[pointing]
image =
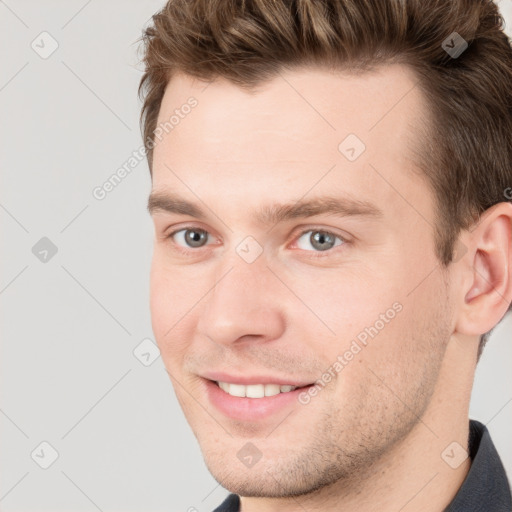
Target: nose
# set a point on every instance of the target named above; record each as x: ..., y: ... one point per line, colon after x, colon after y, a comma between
x: 245, y: 304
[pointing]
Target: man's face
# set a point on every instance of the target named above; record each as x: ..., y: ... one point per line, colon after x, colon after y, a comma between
x: 352, y: 299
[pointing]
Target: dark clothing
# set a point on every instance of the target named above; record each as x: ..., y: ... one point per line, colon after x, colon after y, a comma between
x: 485, y: 489
x: 230, y: 504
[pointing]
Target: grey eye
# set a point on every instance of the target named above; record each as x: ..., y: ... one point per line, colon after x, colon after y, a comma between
x: 319, y: 240
x: 191, y: 237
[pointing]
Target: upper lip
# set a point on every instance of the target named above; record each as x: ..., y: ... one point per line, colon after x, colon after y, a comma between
x: 254, y: 379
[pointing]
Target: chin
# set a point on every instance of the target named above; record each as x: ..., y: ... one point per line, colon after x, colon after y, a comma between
x: 281, y: 476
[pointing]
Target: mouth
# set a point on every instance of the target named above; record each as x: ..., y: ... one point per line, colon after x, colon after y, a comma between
x: 252, y: 402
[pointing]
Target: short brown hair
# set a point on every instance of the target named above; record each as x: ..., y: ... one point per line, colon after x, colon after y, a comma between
x: 466, y: 149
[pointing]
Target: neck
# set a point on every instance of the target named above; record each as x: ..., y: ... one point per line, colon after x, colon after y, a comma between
x: 421, y: 473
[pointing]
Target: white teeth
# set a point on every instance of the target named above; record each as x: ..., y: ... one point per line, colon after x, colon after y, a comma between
x: 273, y: 389
x: 237, y: 390
x: 254, y: 390
x: 224, y: 386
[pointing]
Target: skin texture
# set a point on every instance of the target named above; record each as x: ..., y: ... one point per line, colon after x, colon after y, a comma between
x: 373, y: 437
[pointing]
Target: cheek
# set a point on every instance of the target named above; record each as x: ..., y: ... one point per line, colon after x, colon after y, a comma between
x: 374, y: 324
x: 351, y: 308
x: 160, y: 299
x: 406, y: 352
x: 171, y: 305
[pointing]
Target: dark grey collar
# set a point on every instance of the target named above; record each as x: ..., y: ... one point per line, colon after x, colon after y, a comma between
x: 486, y: 487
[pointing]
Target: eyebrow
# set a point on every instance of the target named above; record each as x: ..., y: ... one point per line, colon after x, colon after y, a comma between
x: 275, y: 213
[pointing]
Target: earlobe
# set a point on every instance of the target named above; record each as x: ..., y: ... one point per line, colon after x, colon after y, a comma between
x: 489, y: 294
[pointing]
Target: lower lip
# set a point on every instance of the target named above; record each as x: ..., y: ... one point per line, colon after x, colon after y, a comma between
x: 250, y: 409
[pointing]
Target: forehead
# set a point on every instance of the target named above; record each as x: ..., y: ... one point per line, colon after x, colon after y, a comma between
x: 296, y: 134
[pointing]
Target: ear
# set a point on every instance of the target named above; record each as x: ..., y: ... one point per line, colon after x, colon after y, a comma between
x: 486, y: 272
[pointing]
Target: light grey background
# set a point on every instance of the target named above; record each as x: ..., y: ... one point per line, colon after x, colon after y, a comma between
x: 69, y: 376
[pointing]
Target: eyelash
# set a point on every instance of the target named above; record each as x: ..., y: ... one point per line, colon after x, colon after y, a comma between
x: 314, y: 254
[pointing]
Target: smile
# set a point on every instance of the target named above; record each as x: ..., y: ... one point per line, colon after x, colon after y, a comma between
x: 252, y: 402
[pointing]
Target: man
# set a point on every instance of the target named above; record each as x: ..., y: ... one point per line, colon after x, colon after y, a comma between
x: 333, y: 244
